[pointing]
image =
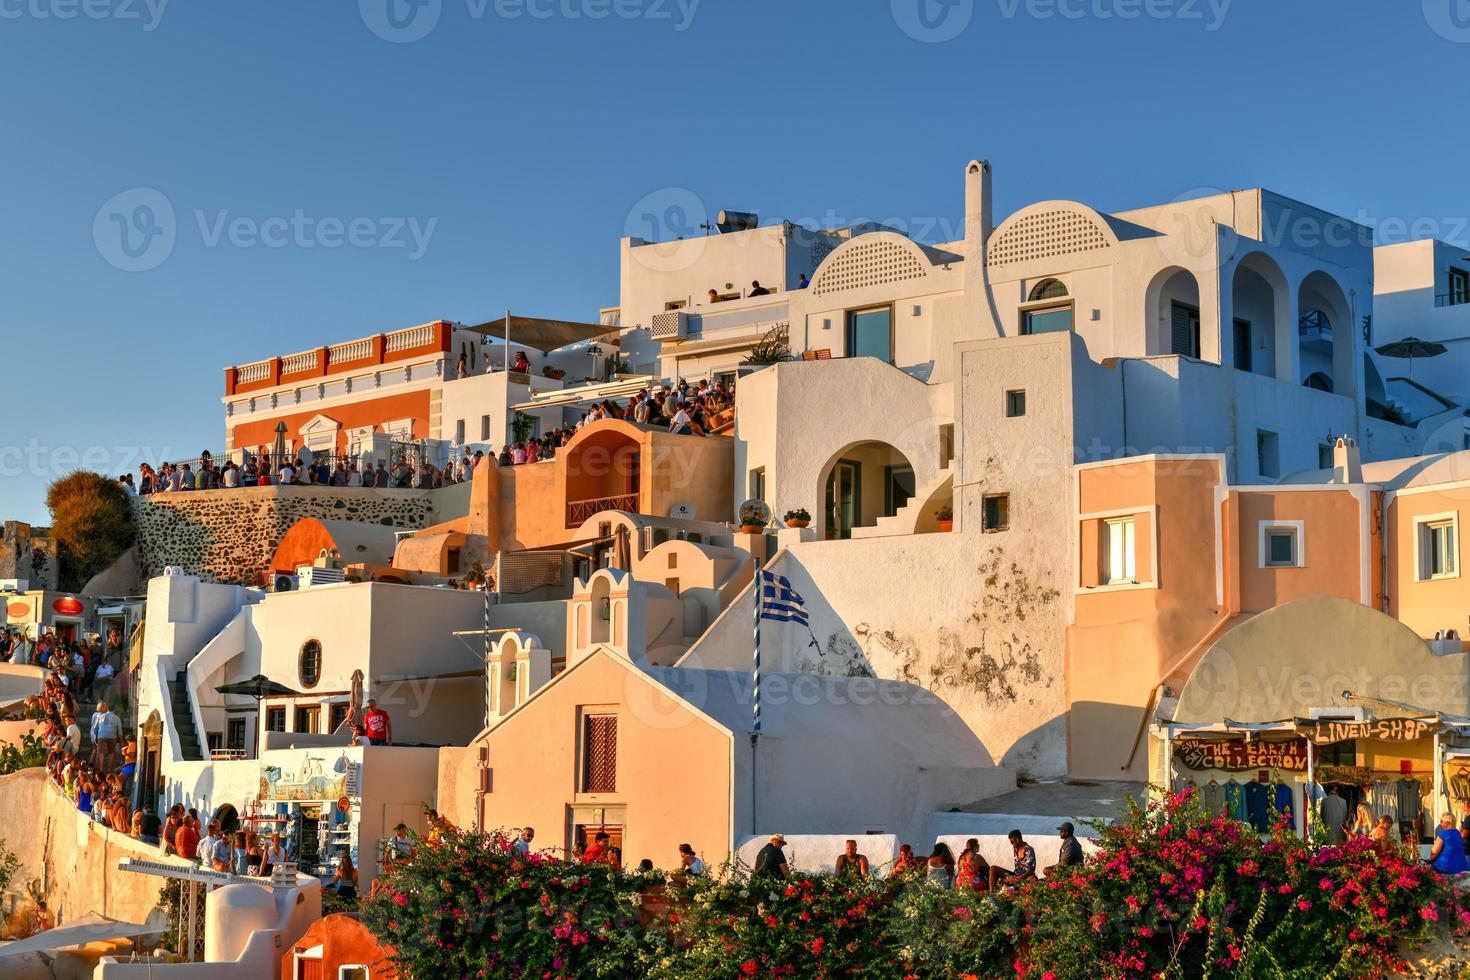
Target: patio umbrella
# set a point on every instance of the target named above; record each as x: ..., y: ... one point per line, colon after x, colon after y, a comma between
x: 258, y: 687
x: 354, y: 703
x: 1411, y: 347
x: 622, y: 556
x: 280, y: 446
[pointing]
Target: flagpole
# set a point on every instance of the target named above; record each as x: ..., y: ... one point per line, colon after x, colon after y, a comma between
x: 755, y: 730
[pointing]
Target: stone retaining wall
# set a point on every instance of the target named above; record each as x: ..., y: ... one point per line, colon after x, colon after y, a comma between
x: 230, y: 535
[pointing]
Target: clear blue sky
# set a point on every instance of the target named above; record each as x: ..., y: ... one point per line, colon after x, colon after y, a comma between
x: 528, y: 140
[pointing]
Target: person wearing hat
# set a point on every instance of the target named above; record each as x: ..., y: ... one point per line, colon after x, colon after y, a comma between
x: 400, y: 845
x: 376, y: 724
x: 772, y: 860
x: 1071, y: 852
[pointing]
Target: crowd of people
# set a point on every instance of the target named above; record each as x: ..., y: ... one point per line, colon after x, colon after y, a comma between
x: 680, y: 408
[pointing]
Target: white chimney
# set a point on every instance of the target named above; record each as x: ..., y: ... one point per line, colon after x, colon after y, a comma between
x: 1347, y: 462
x: 978, y: 214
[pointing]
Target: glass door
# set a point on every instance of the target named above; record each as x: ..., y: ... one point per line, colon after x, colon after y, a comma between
x: 844, y: 501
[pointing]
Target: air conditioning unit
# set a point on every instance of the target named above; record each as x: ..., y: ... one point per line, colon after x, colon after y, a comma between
x: 283, y: 583
x: 14, y: 585
x: 310, y: 576
x: 673, y: 325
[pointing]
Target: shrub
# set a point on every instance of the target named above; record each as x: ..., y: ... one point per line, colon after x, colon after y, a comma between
x: 28, y: 754
x: 92, y: 522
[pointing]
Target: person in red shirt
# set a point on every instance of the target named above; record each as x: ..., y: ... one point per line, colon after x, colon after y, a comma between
x: 377, y: 724
x: 186, y: 841
x: 598, y: 852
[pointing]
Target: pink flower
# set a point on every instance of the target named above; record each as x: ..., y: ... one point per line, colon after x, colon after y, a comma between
x: 400, y: 899
x: 1304, y: 905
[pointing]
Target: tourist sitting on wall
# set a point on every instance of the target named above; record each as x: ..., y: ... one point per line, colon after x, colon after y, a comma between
x: 1070, y: 853
x: 756, y: 289
x: 1448, y: 855
x: 771, y: 859
x: 850, y: 863
x: 939, y: 868
x: 689, y: 862
x: 1025, y: 858
x: 972, y: 870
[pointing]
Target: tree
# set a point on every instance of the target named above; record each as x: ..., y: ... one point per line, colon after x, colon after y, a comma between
x: 92, y: 523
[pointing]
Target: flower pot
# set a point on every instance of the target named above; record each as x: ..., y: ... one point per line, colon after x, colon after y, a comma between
x: 796, y: 522
x: 752, y: 528
x: 946, y: 525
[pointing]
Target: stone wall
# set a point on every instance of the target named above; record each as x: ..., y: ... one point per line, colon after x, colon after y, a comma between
x: 230, y: 535
x: 28, y: 553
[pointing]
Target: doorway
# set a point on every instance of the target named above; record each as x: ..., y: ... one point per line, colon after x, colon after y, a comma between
x: 844, y: 498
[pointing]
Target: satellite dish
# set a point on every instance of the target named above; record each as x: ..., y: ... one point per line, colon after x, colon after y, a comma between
x: 682, y: 512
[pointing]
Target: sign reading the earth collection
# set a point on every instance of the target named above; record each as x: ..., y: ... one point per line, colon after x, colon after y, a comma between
x: 1238, y: 755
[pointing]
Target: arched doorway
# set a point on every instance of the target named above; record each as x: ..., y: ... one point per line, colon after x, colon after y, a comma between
x: 150, y: 758
x: 603, y: 472
x: 1261, y: 311
x: 861, y: 484
x: 1174, y: 313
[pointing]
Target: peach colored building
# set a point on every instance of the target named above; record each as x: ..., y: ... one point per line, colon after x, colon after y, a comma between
x: 337, y: 947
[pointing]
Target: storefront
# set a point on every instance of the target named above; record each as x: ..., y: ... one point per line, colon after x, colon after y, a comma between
x: 1377, y: 766
x: 316, y: 808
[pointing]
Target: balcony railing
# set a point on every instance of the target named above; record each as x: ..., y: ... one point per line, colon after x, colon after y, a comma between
x: 578, y: 511
x: 1451, y: 299
x: 251, y: 373
x: 300, y: 363
x: 353, y: 350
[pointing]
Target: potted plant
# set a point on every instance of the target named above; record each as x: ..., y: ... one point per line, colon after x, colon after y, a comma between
x: 555, y: 374
x: 945, y: 518
x: 798, y: 518
x: 752, y: 518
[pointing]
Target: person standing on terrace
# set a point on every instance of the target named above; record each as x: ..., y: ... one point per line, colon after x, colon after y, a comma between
x: 106, y: 729
x: 521, y: 364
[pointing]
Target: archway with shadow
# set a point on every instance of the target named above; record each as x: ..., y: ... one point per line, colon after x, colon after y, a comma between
x: 1173, y: 313
x: 861, y: 484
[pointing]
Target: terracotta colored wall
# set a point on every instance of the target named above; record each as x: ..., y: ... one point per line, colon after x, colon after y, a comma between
x: 1332, y: 541
x: 1438, y: 603
x: 344, y: 942
x: 369, y: 411
x: 673, y: 769
x: 1121, y: 641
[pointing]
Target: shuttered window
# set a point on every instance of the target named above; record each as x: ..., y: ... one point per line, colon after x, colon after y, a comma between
x: 1184, y: 331
x: 599, y: 753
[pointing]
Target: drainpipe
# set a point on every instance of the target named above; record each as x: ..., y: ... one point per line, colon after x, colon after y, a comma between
x: 1382, y: 521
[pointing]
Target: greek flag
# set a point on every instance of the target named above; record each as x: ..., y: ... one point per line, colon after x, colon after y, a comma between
x: 780, y: 602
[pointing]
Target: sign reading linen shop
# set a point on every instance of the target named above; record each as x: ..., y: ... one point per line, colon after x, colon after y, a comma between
x: 1237, y: 755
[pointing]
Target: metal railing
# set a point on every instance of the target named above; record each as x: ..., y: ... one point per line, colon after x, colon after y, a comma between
x: 1451, y: 299
x: 578, y: 511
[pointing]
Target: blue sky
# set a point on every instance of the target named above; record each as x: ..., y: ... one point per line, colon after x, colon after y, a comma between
x: 495, y: 160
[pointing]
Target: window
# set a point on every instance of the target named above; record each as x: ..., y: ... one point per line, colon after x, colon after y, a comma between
x: 996, y: 514
x: 1118, y: 556
x: 599, y: 753
x: 758, y: 483
x: 1324, y: 456
x: 870, y: 334
x: 1048, y: 289
x: 1338, y: 754
x: 1015, y: 403
x: 310, y: 664
x: 235, y: 737
x: 946, y: 444
x: 352, y: 973
x: 1184, y: 330
x: 484, y: 428
x: 898, y: 488
x: 336, y: 718
x: 675, y: 304
x: 275, y: 719
x: 1281, y: 544
x: 459, y: 433
x: 452, y: 561
x: 1438, y: 547
x: 1242, y: 345
x: 1459, y: 287
x: 1268, y: 454
x: 307, y: 718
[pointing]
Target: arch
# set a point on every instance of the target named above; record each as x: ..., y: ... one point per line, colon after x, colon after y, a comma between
x: 229, y: 819
x: 1172, y: 313
x: 600, y: 609
x: 877, y: 258
x: 1319, y: 381
x: 602, y: 470
x: 1048, y: 289
x: 1260, y: 302
x: 1048, y: 230
x: 861, y: 483
x: 1326, y: 332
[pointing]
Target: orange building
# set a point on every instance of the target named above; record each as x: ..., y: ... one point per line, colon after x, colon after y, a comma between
x: 338, y: 947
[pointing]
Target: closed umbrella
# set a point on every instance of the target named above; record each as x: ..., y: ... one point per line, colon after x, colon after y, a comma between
x: 1411, y: 347
x: 622, y: 556
x: 280, y: 447
x: 354, y: 702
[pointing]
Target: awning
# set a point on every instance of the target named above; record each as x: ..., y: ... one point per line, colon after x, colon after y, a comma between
x: 560, y: 397
x: 87, y: 929
x: 544, y: 335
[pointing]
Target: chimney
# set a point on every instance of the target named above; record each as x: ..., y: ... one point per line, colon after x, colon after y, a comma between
x: 1347, y: 463
x: 978, y: 214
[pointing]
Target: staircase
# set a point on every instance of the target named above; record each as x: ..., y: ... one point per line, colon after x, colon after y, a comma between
x: 184, y: 718
x: 907, y: 517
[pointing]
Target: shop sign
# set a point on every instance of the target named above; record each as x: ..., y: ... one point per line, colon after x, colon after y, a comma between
x: 1238, y: 755
x: 18, y: 610
x: 67, y: 606
x: 1382, y: 729
x: 352, y: 781
x: 309, y: 783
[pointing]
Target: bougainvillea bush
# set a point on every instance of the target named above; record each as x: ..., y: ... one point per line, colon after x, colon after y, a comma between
x: 1171, y: 893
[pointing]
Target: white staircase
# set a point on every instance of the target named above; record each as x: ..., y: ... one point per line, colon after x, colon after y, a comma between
x: 907, y: 517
